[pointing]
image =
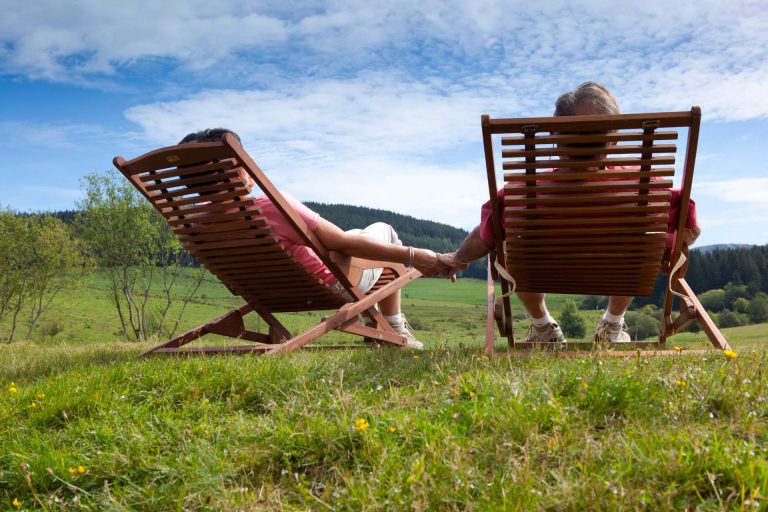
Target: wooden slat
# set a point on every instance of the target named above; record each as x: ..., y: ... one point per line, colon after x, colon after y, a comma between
x: 587, y: 188
x: 622, y: 174
x: 586, y: 210
x: 232, y: 213
x: 240, y: 234
x: 581, y: 164
x: 601, y: 230
x: 186, y: 171
x: 207, y: 200
x: 570, y: 150
x: 638, y: 136
x: 187, y: 182
x: 587, y: 222
x: 615, y: 198
x: 200, y: 190
x: 592, y: 123
x: 256, y: 225
x: 204, y: 248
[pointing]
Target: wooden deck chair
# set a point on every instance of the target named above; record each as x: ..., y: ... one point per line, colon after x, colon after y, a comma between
x: 198, y: 189
x: 592, y: 228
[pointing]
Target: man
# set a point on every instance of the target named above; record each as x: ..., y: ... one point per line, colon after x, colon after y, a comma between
x: 587, y: 99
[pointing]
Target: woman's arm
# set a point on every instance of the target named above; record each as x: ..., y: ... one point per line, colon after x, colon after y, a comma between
x: 333, y: 238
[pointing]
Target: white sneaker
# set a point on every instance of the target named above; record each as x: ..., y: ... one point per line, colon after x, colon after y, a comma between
x: 549, y: 333
x: 612, y: 332
x: 405, y: 330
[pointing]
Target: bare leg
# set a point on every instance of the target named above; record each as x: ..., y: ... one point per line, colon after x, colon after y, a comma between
x: 618, y: 304
x: 391, y: 305
x: 533, y: 303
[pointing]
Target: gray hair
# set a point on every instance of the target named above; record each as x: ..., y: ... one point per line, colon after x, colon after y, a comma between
x: 207, y: 135
x: 588, y: 93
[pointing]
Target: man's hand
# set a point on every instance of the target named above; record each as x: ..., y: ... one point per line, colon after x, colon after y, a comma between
x: 451, y: 261
x: 428, y: 263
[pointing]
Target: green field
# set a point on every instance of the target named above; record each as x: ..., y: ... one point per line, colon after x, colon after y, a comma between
x: 85, y: 425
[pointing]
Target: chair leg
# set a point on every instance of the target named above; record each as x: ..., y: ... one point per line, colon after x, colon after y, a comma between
x: 348, y: 312
x: 229, y: 324
x: 708, y: 326
x: 490, y: 334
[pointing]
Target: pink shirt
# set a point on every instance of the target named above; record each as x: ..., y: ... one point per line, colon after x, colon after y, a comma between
x: 290, y: 239
x: 486, y: 222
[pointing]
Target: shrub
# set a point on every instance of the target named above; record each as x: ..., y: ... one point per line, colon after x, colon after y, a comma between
x: 641, y: 325
x: 758, y: 309
x: 713, y: 300
x: 572, y: 324
x: 728, y: 318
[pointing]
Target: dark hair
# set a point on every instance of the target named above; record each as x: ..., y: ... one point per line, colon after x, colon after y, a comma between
x: 207, y: 135
x: 588, y: 93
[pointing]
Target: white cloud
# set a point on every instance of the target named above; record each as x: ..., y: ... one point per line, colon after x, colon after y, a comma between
x: 655, y: 54
x: 743, y: 191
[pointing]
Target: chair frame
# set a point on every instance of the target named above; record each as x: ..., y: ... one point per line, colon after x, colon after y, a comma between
x: 524, y: 132
x: 165, y: 163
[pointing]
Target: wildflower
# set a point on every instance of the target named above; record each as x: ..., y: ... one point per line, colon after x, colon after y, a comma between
x: 40, y: 395
x: 730, y: 354
x: 74, y: 471
x: 12, y: 388
x: 361, y: 424
x: 416, y: 357
x: 681, y: 383
x: 484, y: 357
x: 16, y: 502
x: 80, y: 469
x: 33, y: 405
x: 678, y: 348
x: 392, y: 430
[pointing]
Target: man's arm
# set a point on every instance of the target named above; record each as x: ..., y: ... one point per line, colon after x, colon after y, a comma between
x: 333, y: 238
x: 473, y: 247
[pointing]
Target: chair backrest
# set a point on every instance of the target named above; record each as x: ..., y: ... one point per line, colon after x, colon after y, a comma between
x: 198, y: 189
x: 586, y: 199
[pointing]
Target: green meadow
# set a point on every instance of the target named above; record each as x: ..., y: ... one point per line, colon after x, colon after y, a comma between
x: 86, y: 425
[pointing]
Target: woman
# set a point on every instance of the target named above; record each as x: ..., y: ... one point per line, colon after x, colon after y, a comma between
x: 378, y: 241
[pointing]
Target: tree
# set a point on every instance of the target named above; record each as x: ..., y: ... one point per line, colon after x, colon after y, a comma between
x: 758, y: 309
x: 571, y: 322
x: 55, y: 261
x: 14, y: 248
x: 131, y: 241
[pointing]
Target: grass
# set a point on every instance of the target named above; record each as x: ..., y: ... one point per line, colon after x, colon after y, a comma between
x: 85, y: 425
x: 447, y: 430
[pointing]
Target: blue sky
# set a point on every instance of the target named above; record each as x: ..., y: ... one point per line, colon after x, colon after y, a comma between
x: 375, y: 105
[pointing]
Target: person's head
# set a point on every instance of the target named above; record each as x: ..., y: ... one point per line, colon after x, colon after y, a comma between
x: 215, y: 135
x: 589, y: 98
x: 207, y: 135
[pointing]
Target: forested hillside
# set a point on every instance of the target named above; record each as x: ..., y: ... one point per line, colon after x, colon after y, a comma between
x: 712, y: 267
x: 412, y: 231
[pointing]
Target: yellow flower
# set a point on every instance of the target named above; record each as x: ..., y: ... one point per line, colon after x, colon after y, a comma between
x: 33, y: 405
x: 71, y: 471
x: 80, y: 469
x: 392, y: 430
x: 416, y: 357
x: 361, y: 424
x: 484, y: 357
x: 730, y: 354
x: 16, y: 502
x: 678, y: 348
x: 40, y: 395
x: 12, y: 388
x: 681, y: 383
